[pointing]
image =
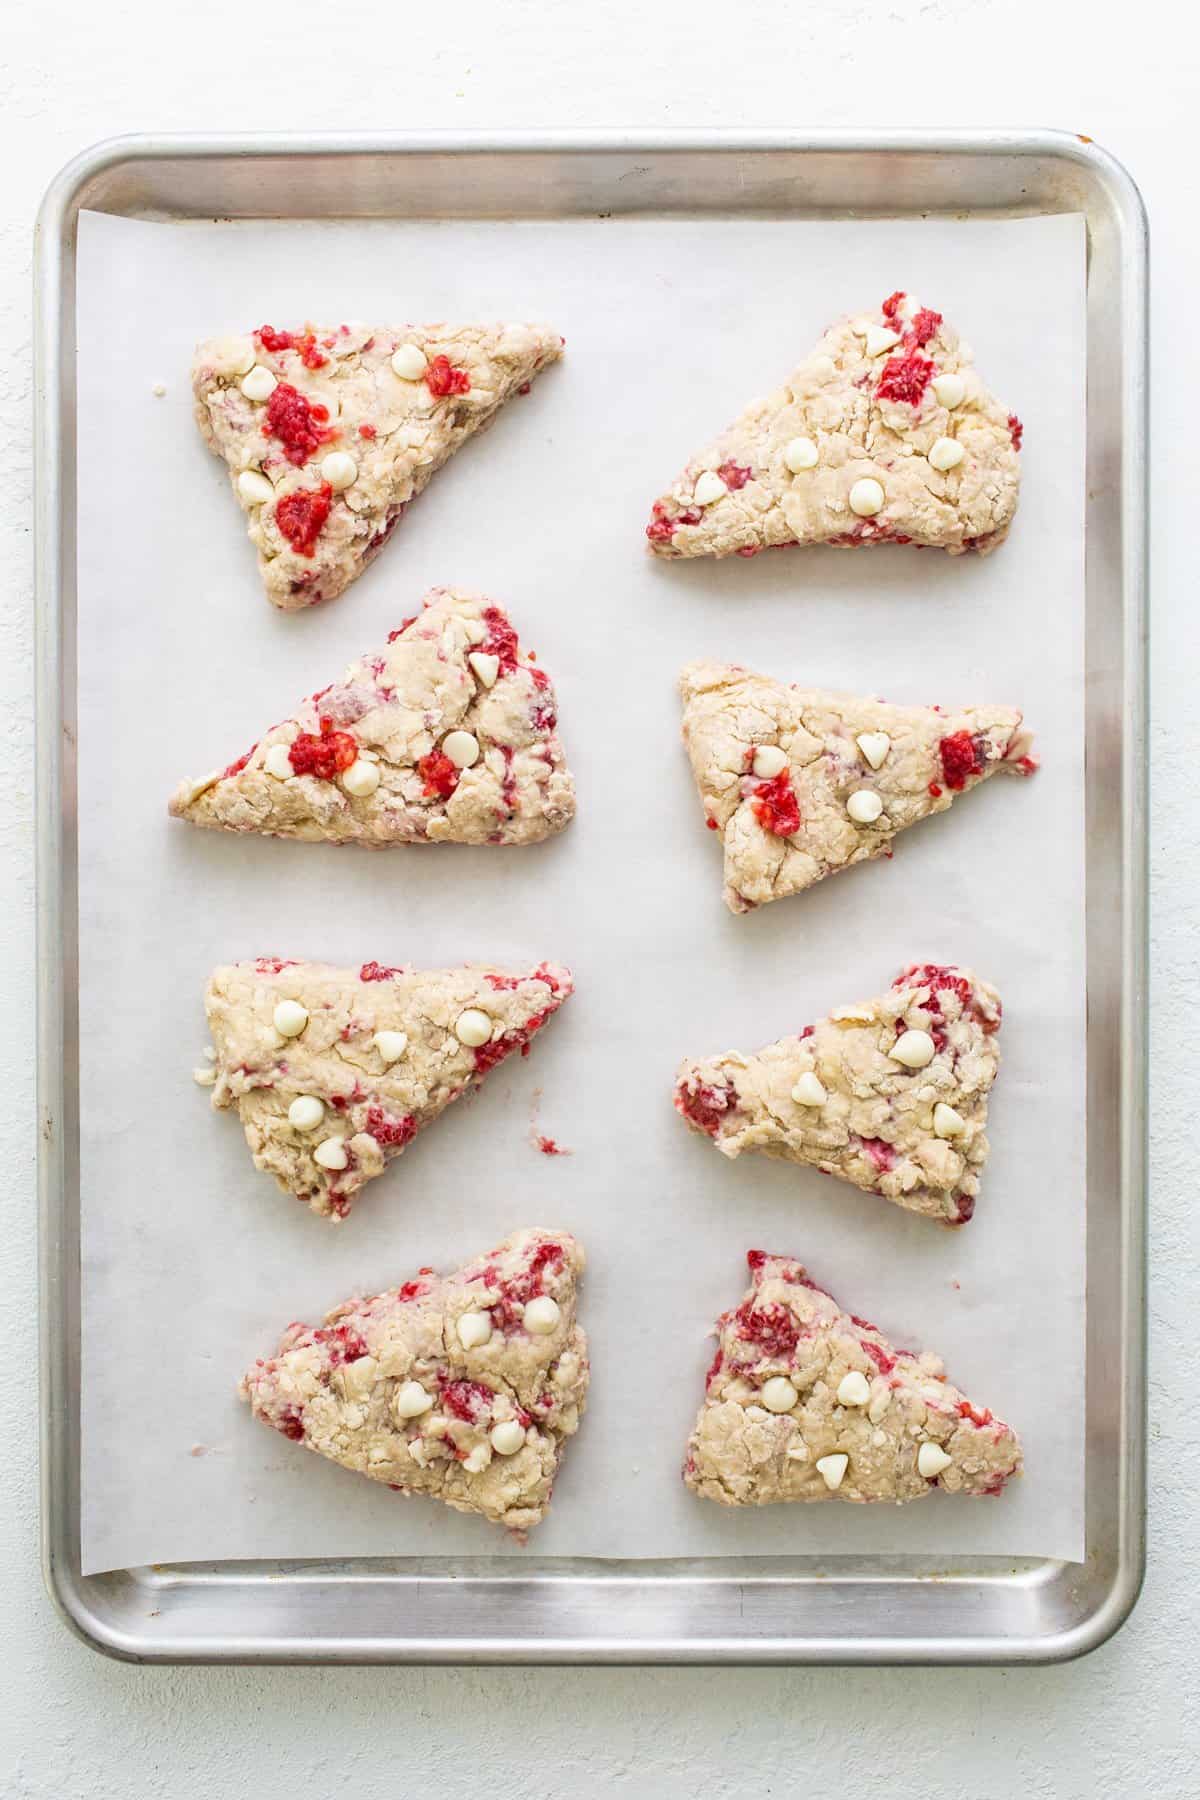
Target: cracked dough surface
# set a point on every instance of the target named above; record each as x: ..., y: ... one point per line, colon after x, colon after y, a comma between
x: 374, y: 1104
x: 869, y: 416
x: 334, y: 1388
x: 875, y: 1127
x: 410, y: 430
x: 743, y: 1454
x: 730, y: 712
x: 395, y: 708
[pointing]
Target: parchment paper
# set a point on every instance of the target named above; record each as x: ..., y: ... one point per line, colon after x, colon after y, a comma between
x: 192, y: 1261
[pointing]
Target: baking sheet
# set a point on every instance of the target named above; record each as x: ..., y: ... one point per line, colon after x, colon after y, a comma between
x: 193, y: 1262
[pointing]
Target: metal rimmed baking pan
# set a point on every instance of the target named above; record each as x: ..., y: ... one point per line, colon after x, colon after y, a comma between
x: 849, y: 1609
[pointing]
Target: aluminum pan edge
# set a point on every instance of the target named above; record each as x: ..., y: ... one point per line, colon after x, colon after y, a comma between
x: 182, y: 1615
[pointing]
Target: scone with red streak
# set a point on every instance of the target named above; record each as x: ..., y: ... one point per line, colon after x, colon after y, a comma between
x: 806, y: 1402
x: 884, y: 434
x: 334, y: 1071
x: 800, y: 783
x: 462, y: 1387
x: 890, y: 1094
x: 330, y: 431
x: 445, y: 735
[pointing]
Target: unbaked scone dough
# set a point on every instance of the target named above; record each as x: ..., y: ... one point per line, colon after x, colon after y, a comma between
x: 445, y: 735
x: 334, y: 1071
x: 329, y: 432
x: 884, y: 434
x: 800, y: 783
x: 397, y: 1388
x: 890, y: 1094
x: 806, y: 1402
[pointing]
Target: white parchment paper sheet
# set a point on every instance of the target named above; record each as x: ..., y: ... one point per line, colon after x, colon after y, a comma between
x: 192, y: 1261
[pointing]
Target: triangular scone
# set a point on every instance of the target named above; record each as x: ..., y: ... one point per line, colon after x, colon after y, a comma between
x: 801, y: 783
x: 806, y: 1402
x: 890, y: 1094
x: 329, y: 432
x: 464, y: 1387
x: 446, y: 735
x: 885, y: 434
x: 334, y: 1071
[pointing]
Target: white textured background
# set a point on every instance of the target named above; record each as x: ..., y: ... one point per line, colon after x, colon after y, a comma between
x: 1124, y: 1720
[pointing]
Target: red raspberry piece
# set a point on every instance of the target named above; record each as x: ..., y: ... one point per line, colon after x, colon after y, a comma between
x: 501, y: 641
x: 301, y: 516
x: 300, y: 424
x: 439, y: 774
x: 373, y: 971
x: 880, y: 1152
x: 961, y: 758
x: 1015, y: 430
x: 412, y: 1290
x: 891, y: 305
x: 235, y: 768
x: 324, y: 756
x: 905, y: 377
x: 271, y: 965
x: 734, y: 475
x: 401, y: 628
x: 703, y: 1104
x: 967, y: 1411
x: 923, y: 327
x: 883, y: 1362
x: 772, y: 1329
x: 391, y: 1133
x: 775, y: 805
x: 442, y: 378
x: 305, y: 343
x: 466, y: 1400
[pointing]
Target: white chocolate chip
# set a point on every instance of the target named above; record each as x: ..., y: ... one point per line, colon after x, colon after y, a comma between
x: 485, y: 665
x: 809, y: 1090
x: 411, y: 1400
x: 541, y: 1315
x: 507, y: 1437
x: 477, y: 1460
x: 462, y: 747
x: 950, y: 390
x: 913, y: 1049
x: 879, y: 339
x: 339, y: 469
x: 237, y: 354
x: 769, y: 761
x: 800, y: 454
x: 278, y: 762
x: 946, y: 1122
x: 866, y: 497
x: 360, y: 779
x: 831, y: 1469
x: 259, y: 384
x: 880, y: 1402
x: 391, y: 1045
x: 159, y: 389
x: 331, y: 1153
x: 710, y: 487
x: 474, y: 1329
x: 306, y: 1112
x: 874, y: 746
x: 409, y: 362
x: 931, y: 1460
x: 778, y: 1395
x: 854, y: 1389
x: 864, y: 806
x: 473, y: 1028
x: 204, y: 1077
x: 290, y: 1018
x: 947, y: 453
x: 254, y: 488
